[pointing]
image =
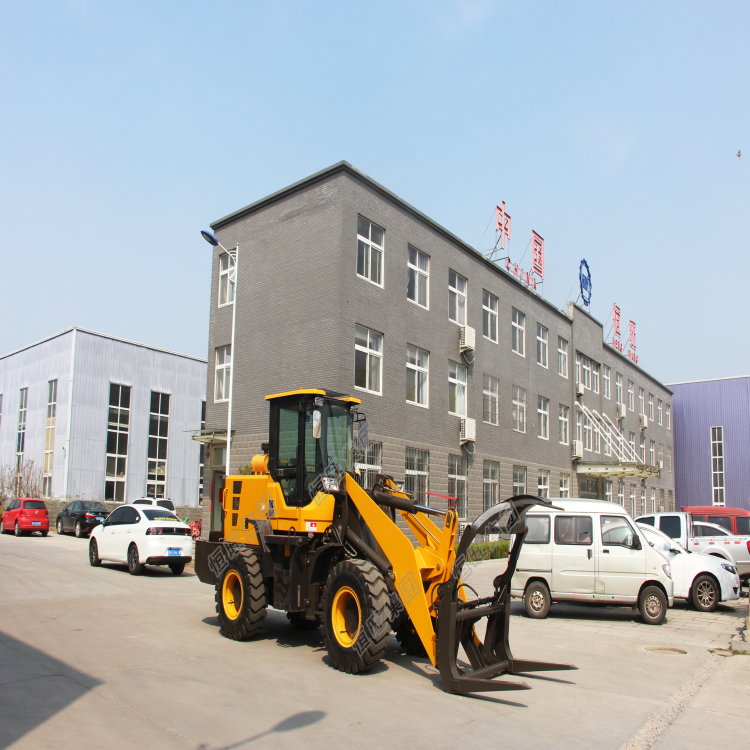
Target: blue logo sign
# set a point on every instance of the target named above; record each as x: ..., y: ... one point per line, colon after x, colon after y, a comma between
x: 584, y: 277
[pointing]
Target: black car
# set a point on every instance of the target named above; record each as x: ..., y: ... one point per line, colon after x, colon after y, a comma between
x: 80, y: 517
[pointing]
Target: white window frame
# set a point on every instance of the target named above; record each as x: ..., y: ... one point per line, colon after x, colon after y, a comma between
x: 369, y: 462
x: 653, y: 499
x: 650, y: 407
x: 373, y: 355
x: 490, y: 305
x: 542, y: 409
x: 417, y: 479
x: 718, y: 468
x: 642, y: 401
x: 421, y: 375
x: 542, y: 483
x: 586, y: 372
x: 608, y: 439
x: 116, y: 463
x: 519, y: 408
x: 633, y: 510
x: 659, y: 410
x: 226, y: 279
x: 458, y: 386
x: 490, y: 484
x: 490, y: 400
x: 621, y: 492
x: 652, y: 453
x: 563, y: 416
x: 631, y: 440
x: 595, y: 376
x: 588, y: 431
x: 455, y: 293
x: 519, y: 480
x: 156, y: 487
x: 542, y: 346
x: 606, y: 382
x: 458, y: 470
x: 642, y: 448
x: 415, y: 270
x: 631, y: 395
x: 597, y: 440
x: 608, y: 490
x: 668, y: 415
x: 562, y: 357
x: 222, y: 372
x: 618, y: 388
x: 564, y: 486
x: 371, y: 248
x: 518, y: 332
x: 579, y: 426
x: 49, y: 438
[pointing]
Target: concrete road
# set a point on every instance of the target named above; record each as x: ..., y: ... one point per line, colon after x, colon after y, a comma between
x: 94, y: 657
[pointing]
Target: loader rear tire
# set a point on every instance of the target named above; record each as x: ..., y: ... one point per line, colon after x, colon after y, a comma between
x: 356, y: 616
x: 241, y: 597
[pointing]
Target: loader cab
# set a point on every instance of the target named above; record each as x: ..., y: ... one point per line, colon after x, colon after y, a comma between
x: 310, y: 442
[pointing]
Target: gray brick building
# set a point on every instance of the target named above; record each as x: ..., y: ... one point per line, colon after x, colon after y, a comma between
x: 343, y: 285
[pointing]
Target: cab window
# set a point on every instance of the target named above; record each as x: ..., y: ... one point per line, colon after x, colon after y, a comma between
x: 743, y: 525
x: 724, y: 521
x: 616, y: 531
x: 539, y: 527
x: 671, y: 526
x: 573, y: 530
x: 648, y: 520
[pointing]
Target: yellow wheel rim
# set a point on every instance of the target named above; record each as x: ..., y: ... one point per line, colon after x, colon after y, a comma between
x: 231, y: 594
x: 346, y: 616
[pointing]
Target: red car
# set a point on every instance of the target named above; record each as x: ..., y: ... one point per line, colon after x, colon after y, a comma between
x: 25, y: 516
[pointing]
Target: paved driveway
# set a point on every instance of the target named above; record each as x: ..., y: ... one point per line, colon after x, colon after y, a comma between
x: 94, y: 657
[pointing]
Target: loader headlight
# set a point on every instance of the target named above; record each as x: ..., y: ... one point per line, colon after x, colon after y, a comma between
x: 667, y: 570
x: 330, y: 484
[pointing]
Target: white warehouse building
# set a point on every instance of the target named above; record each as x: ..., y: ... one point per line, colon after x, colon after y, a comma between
x: 105, y: 418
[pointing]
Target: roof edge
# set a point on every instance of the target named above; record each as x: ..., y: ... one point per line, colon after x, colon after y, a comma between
x: 712, y: 380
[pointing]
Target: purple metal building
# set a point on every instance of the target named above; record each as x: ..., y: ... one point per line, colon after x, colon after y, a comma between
x: 712, y: 442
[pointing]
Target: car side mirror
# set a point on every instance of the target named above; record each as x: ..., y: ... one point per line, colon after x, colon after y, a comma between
x: 636, y: 543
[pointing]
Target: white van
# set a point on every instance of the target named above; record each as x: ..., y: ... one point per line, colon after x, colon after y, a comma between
x: 590, y: 551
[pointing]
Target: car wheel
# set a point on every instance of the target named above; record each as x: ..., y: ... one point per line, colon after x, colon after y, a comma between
x: 44, y: 533
x: 59, y: 526
x: 705, y: 594
x: 79, y: 530
x: 135, y: 568
x: 94, y: 558
x: 18, y: 529
x: 537, y: 600
x: 177, y: 568
x: 652, y: 604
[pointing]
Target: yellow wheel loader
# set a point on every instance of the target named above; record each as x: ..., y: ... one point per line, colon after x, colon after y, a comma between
x: 301, y: 535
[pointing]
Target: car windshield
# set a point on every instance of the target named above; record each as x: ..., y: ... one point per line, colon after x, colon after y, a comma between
x: 93, y: 506
x: 658, y: 540
x: 34, y: 505
x: 158, y: 514
x: 168, y: 504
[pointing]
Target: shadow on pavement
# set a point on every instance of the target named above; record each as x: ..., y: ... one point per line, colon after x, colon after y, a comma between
x: 296, y: 721
x: 34, y: 686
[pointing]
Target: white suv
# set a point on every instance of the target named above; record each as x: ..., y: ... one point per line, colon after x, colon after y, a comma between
x: 161, y: 502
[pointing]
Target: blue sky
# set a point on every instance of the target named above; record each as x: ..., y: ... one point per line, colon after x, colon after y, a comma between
x: 609, y: 128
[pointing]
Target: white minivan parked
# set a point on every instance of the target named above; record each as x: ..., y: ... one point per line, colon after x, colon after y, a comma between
x: 590, y: 551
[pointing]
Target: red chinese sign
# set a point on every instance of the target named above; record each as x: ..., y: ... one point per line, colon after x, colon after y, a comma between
x: 537, y: 254
x: 502, y: 224
x: 616, y: 343
x: 633, y: 356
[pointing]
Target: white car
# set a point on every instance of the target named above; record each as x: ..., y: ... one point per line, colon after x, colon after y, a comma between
x: 703, y: 579
x: 142, y: 535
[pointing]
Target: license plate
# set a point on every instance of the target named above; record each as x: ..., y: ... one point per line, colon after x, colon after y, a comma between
x: 174, y: 552
x: 36, y: 523
x: 100, y: 518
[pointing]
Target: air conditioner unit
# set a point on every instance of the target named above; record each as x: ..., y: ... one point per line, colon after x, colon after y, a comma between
x: 661, y: 464
x: 578, y: 449
x: 468, y: 339
x: 643, y: 421
x: 621, y: 411
x: 468, y: 430
x: 579, y: 389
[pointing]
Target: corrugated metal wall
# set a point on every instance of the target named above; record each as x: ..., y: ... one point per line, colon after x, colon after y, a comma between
x: 698, y: 407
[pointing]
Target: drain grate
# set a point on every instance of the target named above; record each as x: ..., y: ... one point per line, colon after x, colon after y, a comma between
x: 664, y: 650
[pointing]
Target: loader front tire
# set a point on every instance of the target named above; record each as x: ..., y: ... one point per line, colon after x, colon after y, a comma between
x: 356, y: 616
x: 241, y: 597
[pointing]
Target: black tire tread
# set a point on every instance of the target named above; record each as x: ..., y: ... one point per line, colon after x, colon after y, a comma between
x: 250, y: 621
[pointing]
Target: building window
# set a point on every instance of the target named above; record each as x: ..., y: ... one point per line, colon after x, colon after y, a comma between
x: 456, y: 298
x: 621, y: 492
x: 641, y: 401
x: 491, y: 484
x: 542, y: 335
x: 618, y: 388
x: 661, y: 455
x: 608, y: 490
x: 633, y: 510
x: 717, y: 464
x: 661, y: 500
x: 670, y: 497
x: 417, y: 375
x: 587, y: 433
x: 586, y: 372
x: 642, y: 449
x: 564, y: 485
x: 417, y: 474
x: 519, y: 409
x: 519, y: 480
x: 669, y: 416
x: 652, y: 453
x: 579, y: 378
x: 490, y: 399
x: 607, y: 439
x: 597, y: 438
x: 201, y: 454
x: 49, y: 438
x: 542, y: 408
x: 368, y: 359
x: 643, y: 500
x: 631, y: 440
x: 659, y: 411
x: 158, y: 432
x: 23, y: 398
x: 457, y: 471
x: 606, y: 382
x: 489, y: 316
x: 653, y: 499
x: 562, y: 357
x: 518, y: 332
x: 631, y: 395
x: 595, y: 377
x: 226, y: 279
x: 118, y: 427
x: 579, y: 426
x: 368, y: 462
x: 542, y: 484
x: 650, y: 407
x: 456, y: 389
x: 418, y: 277
x: 564, y: 420
x: 369, y: 251
x: 223, y: 373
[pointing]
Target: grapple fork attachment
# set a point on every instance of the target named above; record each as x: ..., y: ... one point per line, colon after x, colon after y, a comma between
x: 457, y: 618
